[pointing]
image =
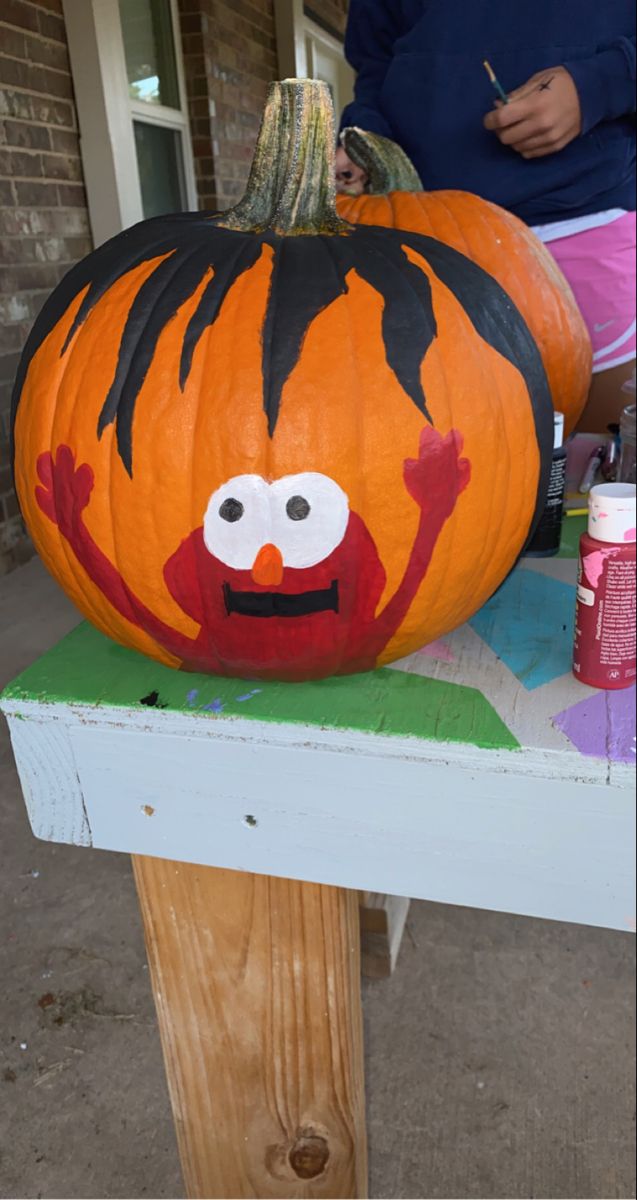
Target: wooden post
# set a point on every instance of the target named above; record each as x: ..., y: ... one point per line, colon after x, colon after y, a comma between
x: 257, y: 988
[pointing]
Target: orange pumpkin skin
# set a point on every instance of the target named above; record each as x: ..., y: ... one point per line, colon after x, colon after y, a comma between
x: 186, y: 410
x: 506, y: 247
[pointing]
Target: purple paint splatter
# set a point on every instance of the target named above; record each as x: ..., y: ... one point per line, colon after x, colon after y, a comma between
x: 216, y: 706
x: 248, y: 695
x: 191, y: 698
x: 602, y: 726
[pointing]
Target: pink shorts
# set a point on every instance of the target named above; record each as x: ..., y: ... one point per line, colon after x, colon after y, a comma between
x: 600, y: 267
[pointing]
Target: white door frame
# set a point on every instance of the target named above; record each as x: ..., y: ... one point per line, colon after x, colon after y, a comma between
x: 298, y: 34
x: 289, y: 18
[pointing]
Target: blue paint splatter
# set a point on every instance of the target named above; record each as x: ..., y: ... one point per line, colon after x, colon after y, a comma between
x: 191, y: 698
x: 529, y: 625
x: 216, y: 706
x: 248, y: 695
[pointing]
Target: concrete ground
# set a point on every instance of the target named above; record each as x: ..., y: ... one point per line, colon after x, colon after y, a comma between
x: 499, y: 1057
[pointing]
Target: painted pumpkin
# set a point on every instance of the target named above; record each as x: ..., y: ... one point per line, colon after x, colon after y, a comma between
x: 494, y: 239
x: 267, y: 443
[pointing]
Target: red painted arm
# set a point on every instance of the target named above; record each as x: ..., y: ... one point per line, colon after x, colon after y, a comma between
x: 435, y: 480
x: 63, y: 496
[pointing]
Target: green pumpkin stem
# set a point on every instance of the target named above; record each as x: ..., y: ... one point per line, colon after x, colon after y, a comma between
x: 291, y: 188
x: 387, y: 166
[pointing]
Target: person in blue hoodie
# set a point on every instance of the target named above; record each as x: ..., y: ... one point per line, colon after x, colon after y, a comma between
x: 560, y: 154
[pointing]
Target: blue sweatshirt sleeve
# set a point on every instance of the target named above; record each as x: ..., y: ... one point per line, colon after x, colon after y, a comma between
x: 605, y: 83
x: 372, y: 29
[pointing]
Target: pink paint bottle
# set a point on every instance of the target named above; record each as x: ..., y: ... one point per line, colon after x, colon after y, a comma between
x: 604, y: 654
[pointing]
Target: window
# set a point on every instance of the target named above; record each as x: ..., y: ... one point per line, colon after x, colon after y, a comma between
x: 132, y: 111
x: 157, y: 107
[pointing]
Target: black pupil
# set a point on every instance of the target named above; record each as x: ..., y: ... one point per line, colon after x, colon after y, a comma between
x: 297, y: 508
x: 231, y: 510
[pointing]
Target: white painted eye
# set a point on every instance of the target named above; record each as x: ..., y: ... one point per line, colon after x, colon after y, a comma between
x: 310, y: 513
x: 238, y: 521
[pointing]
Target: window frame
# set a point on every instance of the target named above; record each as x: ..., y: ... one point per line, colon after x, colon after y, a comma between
x: 106, y: 114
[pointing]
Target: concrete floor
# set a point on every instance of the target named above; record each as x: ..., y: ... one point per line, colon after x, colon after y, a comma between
x: 499, y: 1057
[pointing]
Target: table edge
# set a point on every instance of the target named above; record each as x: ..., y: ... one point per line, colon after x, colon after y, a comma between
x: 523, y: 762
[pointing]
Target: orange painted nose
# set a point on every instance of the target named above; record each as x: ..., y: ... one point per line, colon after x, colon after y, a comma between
x: 267, y: 569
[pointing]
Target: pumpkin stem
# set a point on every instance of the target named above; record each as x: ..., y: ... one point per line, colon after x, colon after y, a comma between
x: 388, y: 167
x: 291, y: 188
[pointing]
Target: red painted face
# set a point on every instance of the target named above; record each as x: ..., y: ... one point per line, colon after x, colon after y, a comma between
x: 287, y: 560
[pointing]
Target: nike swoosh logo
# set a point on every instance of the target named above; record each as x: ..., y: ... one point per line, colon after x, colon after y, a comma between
x: 600, y: 328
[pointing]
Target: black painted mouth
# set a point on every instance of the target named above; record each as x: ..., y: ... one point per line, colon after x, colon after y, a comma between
x: 281, y: 604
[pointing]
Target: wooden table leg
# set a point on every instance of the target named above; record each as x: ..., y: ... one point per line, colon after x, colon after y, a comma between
x: 257, y: 988
x: 382, y: 926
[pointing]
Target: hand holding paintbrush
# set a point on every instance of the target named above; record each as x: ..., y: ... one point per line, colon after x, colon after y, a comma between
x: 539, y: 118
x: 495, y: 82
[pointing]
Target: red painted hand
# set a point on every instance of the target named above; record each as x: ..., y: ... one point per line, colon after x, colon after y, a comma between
x: 65, y: 490
x: 438, y: 476
x: 63, y: 496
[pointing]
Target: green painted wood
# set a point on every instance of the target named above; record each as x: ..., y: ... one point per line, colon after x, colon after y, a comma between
x: 572, y: 530
x: 88, y: 668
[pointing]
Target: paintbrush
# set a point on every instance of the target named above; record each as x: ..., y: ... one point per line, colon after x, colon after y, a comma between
x: 495, y: 82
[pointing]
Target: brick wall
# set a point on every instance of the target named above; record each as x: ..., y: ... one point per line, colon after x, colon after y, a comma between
x: 230, y: 58
x: 331, y: 13
x: 43, y: 218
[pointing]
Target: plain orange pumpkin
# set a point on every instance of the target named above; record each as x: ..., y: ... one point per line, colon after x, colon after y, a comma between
x: 268, y: 443
x: 495, y: 239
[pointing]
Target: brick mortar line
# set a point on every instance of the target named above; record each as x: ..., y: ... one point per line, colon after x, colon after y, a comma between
x: 43, y: 8
x: 250, y: 36
x: 28, y: 62
x: 57, y: 262
x: 30, y: 150
x: 39, y: 179
x: 35, y: 33
x: 40, y: 125
x: 24, y: 91
x: 24, y: 237
x: 31, y: 292
x: 42, y: 207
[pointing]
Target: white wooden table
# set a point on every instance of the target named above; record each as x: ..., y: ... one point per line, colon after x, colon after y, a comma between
x: 478, y: 772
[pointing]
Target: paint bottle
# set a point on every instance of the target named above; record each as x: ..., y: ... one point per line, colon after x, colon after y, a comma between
x: 604, y: 652
x: 592, y: 469
x: 628, y: 461
x: 546, y: 539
